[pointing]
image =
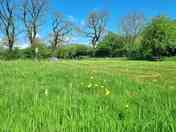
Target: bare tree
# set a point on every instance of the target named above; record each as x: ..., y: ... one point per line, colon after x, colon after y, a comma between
x: 96, y: 26
x: 7, y: 22
x: 33, y: 12
x: 61, y: 28
x: 132, y: 25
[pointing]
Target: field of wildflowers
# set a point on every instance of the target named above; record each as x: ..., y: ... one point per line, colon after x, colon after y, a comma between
x: 88, y: 96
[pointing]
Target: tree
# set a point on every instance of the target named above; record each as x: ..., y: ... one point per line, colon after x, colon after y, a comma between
x: 96, y: 26
x: 8, y: 22
x: 111, y: 45
x: 158, y: 36
x: 32, y: 13
x: 61, y: 28
x: 131, y: 26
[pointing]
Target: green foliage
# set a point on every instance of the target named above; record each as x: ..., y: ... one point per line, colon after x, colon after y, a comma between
x: 134, y: 52
x: 111, y: 46
x: 5, y: 54
x: 158, y: 36
x: 43, y: 52
x: 73, y: 51
x: 157, y: 39
x: 26, y: 53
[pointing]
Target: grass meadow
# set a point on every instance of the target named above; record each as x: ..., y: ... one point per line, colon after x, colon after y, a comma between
x: 87, y: 96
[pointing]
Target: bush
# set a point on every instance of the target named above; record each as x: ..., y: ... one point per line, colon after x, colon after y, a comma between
x: 73, y: 51
x: 119, y: 52
x: 5, y: 54
x: 43, y: 52
x: 111, y: 46
x: 135, y: 53
x: 103, y: 52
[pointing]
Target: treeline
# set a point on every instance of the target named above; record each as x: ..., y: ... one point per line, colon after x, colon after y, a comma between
x: 136, y: 39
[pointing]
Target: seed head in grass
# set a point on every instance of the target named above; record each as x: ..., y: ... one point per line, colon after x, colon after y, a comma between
x: 91, y: 77
x: 90, y: 85
x: 96, y: 85
x: 46, y: 92
x: 127, y: 106
x: 107, y: 92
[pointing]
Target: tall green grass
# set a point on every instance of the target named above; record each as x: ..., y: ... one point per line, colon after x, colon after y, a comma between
x: 87, y: 96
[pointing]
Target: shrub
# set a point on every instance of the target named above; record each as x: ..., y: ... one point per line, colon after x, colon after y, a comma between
x: 73, y: 51
x: 111, y: 46
x: 119, y: 52
x: 43, y: 52
x: 5, y: 54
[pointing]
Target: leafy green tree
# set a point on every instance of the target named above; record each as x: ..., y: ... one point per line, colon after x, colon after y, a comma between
x: 111, y: 45
x: 158, y: 36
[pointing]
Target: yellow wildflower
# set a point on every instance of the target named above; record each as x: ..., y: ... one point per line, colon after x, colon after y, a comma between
x: 107, y: 92
x: 91, y: 77
x: 90, y: 85
x: 96, y: 85
x: 126, y: 106
x: 46, y: 92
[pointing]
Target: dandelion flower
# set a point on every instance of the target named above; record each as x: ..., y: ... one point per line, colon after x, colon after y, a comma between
x: 90, y: 85
x: 96, y: 85
x: 127, y: 106
x: 91, y: 77
x: 46, y: 92
x: 107, y: 92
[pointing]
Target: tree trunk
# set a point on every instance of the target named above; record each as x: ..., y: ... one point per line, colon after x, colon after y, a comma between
x: 10, y: 47
x: 10, y: 44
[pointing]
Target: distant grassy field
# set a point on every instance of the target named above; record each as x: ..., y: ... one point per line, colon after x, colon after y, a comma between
x: 88, y: 96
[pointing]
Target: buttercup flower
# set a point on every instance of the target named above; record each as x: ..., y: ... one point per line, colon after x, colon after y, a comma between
x: 90, y: 85
x: 107, y: 92
x: 96, y: 85
x: 91, y: 77
x: 126, y: 106
x: 46, y: 92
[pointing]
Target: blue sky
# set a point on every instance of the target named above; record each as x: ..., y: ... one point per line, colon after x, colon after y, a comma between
x: 77, y: 10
